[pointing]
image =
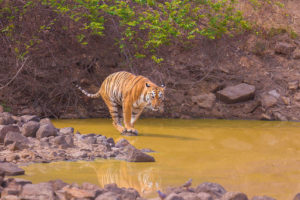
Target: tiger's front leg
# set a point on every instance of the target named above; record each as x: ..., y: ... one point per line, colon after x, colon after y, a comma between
x: 127, y: 113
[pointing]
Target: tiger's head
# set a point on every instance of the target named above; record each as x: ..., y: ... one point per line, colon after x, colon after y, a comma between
x: 154, y: 96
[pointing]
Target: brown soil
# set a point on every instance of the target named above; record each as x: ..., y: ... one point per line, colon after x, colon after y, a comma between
x: 43, y: 87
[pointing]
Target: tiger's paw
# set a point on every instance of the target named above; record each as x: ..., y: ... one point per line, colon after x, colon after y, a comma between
x: 130, y: 132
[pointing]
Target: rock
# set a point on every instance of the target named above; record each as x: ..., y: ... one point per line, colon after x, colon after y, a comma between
x: 109, y: 196
x: 268, y: 101
x: 263, y: 198
x: 77, y: 193
x: 174, y: 196
x: 21, y: 182
x: 21, y: 142
x: 69, y: 140
x: 189, y: 196
x: 38, y: 191
x: 274, y: 93
x: 204, y: 100
x: 30, y: 128
x: 10, y: 169
x: 237, y: 93
x: 46, y: 130
x: 60, y: 140
x: 122, y: 143
x: 46, y: 121
x: 204, y: 196
x: 293, y: 85
x: 296, y: 54
x: 234, y: 196
x: 284, y: 48
x: 265, y: 116
x: 213, y: 189
x: 27, y: 118
x: 4, y: 129
x: 111, y: 142
x: 297, y: 197
x: 131, y: 154
x: 125, y: 194
x: 6, y: 119
x: 279, y: 116
x: 67, y: 130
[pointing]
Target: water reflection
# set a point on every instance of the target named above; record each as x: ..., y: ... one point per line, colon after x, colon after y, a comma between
x: 146, y: 180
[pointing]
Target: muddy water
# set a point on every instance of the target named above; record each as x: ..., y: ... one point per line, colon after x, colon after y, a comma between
x: 255, y: 157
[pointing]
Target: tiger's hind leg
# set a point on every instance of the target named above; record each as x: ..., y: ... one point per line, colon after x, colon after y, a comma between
x: 116, y: 115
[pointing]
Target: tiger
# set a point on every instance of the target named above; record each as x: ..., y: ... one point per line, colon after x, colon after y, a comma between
x: 126, y: 96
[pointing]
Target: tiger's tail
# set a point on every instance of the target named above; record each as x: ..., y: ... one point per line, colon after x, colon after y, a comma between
x: 96, y: 95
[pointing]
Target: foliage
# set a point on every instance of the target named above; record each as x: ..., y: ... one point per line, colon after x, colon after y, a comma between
x: 143, y: 25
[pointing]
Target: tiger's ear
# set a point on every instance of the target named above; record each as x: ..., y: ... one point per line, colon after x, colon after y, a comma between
x: 163, y: 86
x: 147, y: 85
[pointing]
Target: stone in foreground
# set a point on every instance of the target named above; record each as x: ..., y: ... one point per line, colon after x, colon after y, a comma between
x: 10, y: 169
x: 237, y: 93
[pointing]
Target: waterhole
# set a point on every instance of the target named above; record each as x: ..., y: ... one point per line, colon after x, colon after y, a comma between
x: 254, y: 157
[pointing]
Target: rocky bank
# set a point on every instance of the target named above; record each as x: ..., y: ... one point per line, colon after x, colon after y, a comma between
x: 28, y: 138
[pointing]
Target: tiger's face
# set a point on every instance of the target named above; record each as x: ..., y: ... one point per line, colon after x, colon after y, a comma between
x: 154, y: 96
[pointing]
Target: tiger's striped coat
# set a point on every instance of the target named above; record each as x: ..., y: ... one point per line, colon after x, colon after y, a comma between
x: 126, y: 94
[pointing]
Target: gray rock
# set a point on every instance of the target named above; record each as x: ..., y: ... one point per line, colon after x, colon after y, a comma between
x: 204, y: 100
x: 204, y: 196
x: 268, y: 101
x: 67, y: 130
x: 21, y: 142
x: 69, y: 140
x: 27, y: 118
x: 263, y: 198
x: 38, y: 191
x: 57, y: 184
x: 174, y: 196
x: 274, y: 93
x: 22, y: 182
x: 131, y: 154
x: 109, y: 196
x: 284, y: 48
x: 234, y: 196
x: 237, y: 93
x: 4, y: 129
x: 77, y: 193
x: 189, y: 196
x: 279, y: 116
x: 297, y: 197
x: 60, y: 140
x: 111, y: 142
x: 122, y: 143
x: 6, y: 118
x: 10, y: 169
x: 214, y: 189
x: 46, y: 130
x: 30, y: 128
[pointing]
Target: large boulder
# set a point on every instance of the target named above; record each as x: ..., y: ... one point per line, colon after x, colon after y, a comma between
x: 11, y: 169
x: 238, y: 93
x: 204, y: 100
x: 20, y: 141
x: 4, y: 129
x: 38, y: 191
x: 46, y: 130
x: 30, y: 128
x: 132, y: 154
